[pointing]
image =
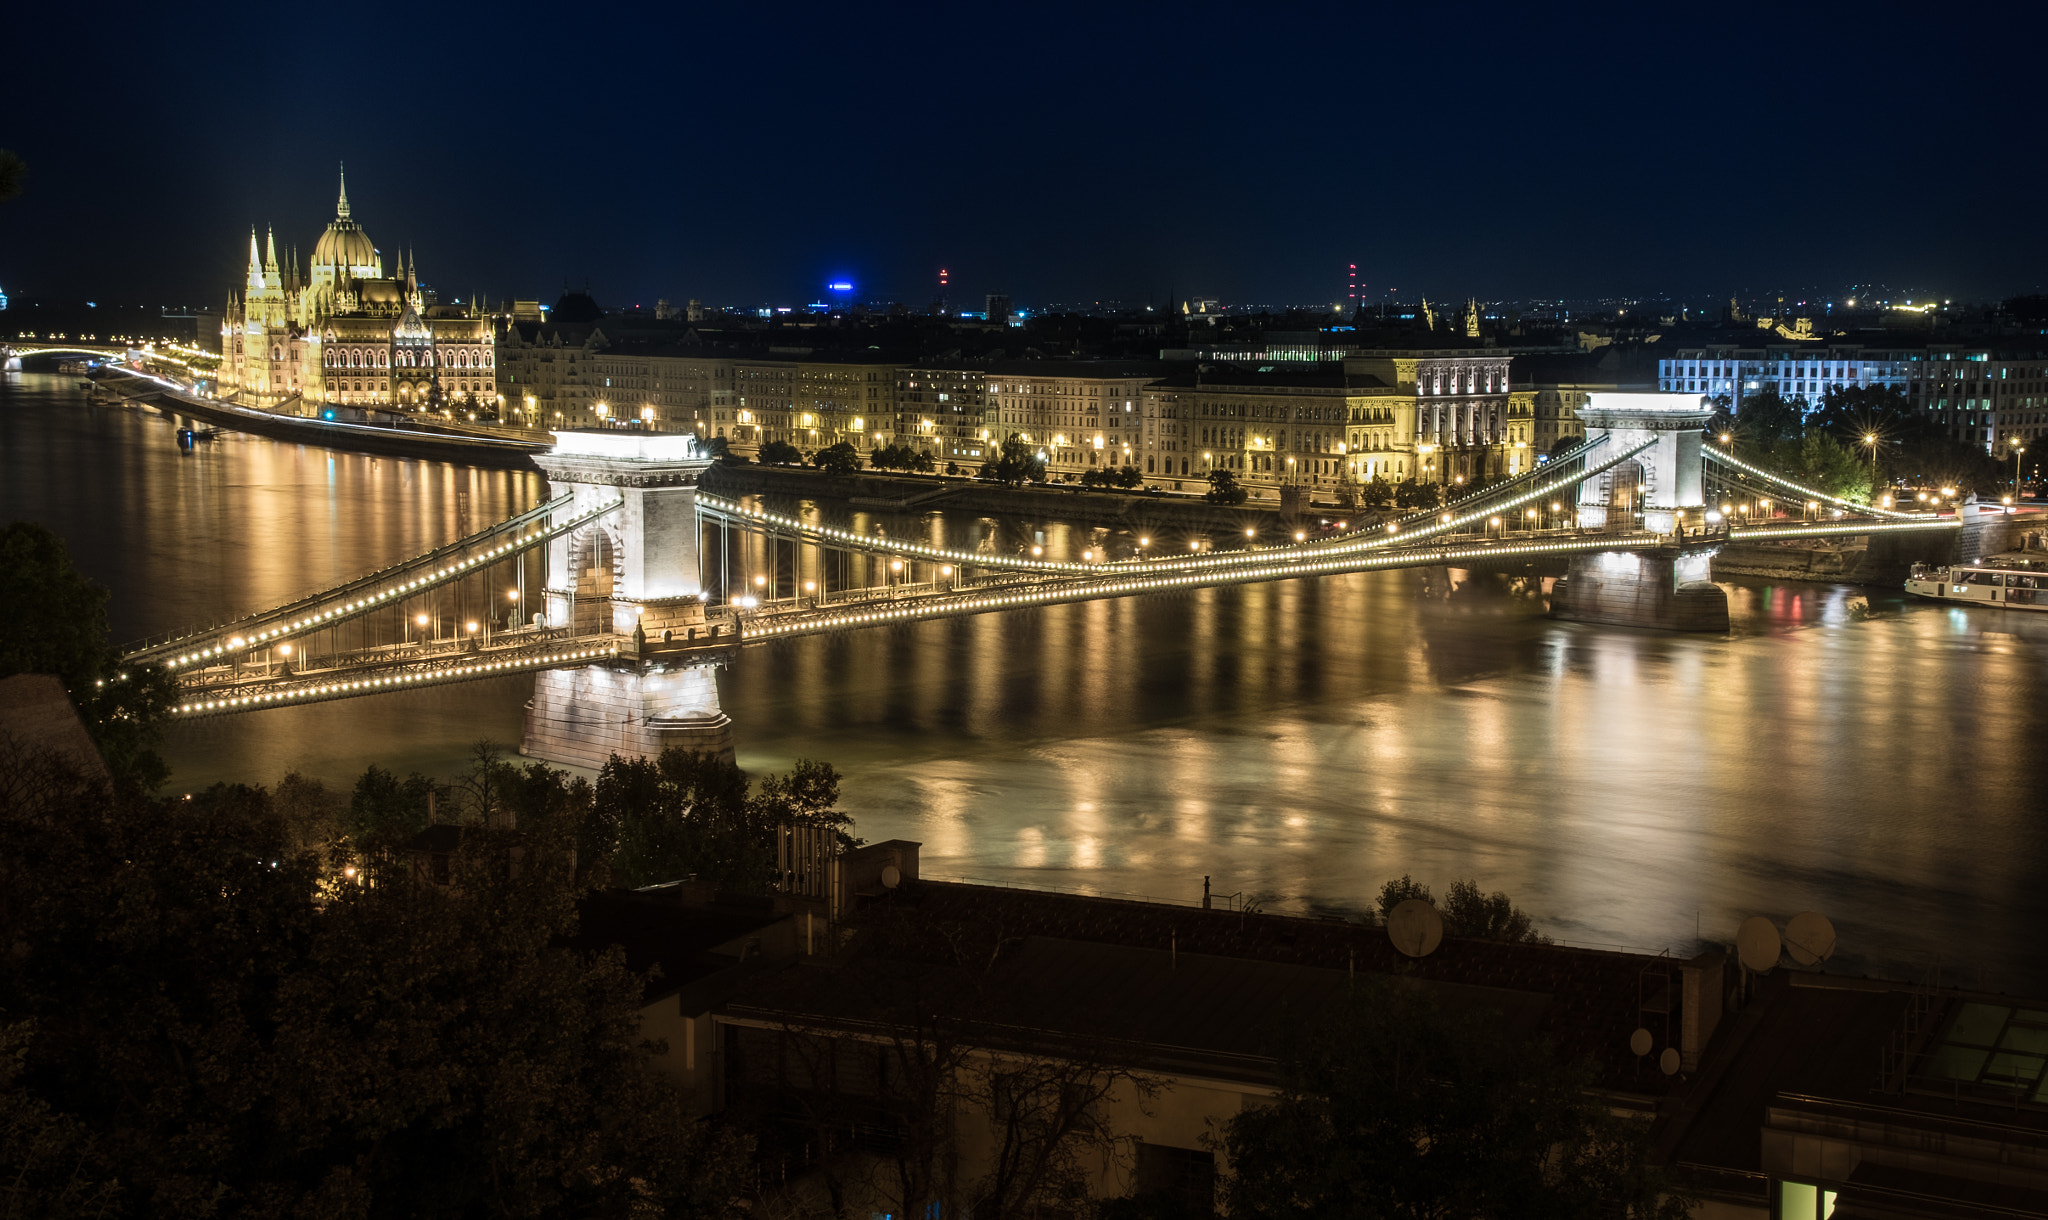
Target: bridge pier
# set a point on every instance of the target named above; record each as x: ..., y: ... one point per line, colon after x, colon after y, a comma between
x: 646, y: 556
x: 635, y: 709
x: 1667, y: 589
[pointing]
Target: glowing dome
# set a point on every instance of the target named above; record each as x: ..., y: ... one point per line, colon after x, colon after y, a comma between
x: 345, y: 245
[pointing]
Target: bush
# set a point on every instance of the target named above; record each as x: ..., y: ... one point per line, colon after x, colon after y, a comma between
x: 780, y: 453
x: 837, y: 459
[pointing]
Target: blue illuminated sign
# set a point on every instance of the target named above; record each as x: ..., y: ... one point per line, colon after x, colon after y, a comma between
x: 840, y: 286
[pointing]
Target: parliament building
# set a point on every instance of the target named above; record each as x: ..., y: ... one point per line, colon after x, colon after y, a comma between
x: 340, y: 332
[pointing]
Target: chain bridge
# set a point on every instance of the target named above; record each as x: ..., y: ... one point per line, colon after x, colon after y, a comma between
x: 631, y: 584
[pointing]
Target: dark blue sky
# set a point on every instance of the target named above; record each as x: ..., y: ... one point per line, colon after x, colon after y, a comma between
x: 747, y: 153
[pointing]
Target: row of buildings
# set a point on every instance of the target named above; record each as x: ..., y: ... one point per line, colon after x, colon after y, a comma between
x: 340, y: 335
x: 1993, y: 396
x: 1446, y: 414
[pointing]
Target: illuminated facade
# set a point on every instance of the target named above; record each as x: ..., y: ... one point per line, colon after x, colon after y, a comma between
x: 1082, y: 415
x: 342, y: 333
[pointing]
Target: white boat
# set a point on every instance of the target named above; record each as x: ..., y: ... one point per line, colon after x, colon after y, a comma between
x: 2014, y: 587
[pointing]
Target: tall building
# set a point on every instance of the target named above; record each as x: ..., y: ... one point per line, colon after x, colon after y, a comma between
x: 340, y: 332
x: 1979, y: 395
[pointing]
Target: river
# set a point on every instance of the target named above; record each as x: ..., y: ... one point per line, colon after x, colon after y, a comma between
x: 1845, y: 751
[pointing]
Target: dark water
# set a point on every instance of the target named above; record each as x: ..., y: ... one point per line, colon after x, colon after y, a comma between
x: 1877, y: 760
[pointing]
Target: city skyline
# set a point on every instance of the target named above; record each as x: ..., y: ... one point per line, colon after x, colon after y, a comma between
x: 1249, y: 157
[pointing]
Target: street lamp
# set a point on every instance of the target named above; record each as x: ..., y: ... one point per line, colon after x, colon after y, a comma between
x: 1870, y: 439
x: 2017, y: 450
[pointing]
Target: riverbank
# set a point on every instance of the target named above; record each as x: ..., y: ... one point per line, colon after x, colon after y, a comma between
x: 881, y: 492
x: 492, y: 453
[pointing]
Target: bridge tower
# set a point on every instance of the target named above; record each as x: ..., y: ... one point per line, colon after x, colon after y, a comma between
x: 1667, y: 586
x: 634, y: 572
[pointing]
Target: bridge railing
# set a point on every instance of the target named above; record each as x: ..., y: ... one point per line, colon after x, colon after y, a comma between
x: 378, y: 590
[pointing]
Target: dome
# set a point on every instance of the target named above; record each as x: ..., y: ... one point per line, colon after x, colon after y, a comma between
x: 344, y: 244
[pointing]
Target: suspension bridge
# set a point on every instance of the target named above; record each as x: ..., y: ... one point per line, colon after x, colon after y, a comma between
x: 631, y: 584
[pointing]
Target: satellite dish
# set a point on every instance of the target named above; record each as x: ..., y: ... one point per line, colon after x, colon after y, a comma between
x: 1415, y: 928
x: 1810, y: 938
x: 1668, y: 1061
x: 1757, y: 943
x: 891, y: 877
x: 1640, y: 1042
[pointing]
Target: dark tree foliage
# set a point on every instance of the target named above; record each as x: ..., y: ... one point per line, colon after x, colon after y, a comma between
x: 780, y: 453
x: 686, y: 814
x: 1224, y: 489
x: 200, y: 1024
x: 1112, y: 476
x: 1767, y: 418
x: 1015, y: 464
x: 1394, y: 1107
x: 841, y: 458
x: 1418, y: 493
x: 55, y: 622
x: 384, y: 810
x: 901, y: 457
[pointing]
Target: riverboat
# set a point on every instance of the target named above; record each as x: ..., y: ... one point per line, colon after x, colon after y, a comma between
x: 2014, y: 586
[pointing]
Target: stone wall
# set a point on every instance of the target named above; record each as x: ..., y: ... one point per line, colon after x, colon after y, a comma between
x: 583, y: 716
x: 1666, y: 592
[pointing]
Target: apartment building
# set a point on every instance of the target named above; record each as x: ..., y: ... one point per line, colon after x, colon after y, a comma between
x: 1978, y: 395
x: 944, y: 413
x: 1082, y: 415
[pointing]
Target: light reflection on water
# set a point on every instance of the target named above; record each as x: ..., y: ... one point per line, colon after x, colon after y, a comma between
x: 1300, y: 741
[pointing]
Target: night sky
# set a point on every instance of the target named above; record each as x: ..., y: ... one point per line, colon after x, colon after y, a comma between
x: 746, y: 154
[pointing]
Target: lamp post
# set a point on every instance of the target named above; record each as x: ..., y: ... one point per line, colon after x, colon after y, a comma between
x: 2017, y: 450
x: 1870, y: 439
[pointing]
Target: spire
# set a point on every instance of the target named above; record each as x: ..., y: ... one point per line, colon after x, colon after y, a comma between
x: 255, y: 264
x: 270, y: 254
x: 341, y: 208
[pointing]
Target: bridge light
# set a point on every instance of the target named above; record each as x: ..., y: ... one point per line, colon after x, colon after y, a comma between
x: 421, y: 619
x: 284, y: 650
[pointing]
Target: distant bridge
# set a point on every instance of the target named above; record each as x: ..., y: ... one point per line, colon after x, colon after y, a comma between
x: 621, y: 588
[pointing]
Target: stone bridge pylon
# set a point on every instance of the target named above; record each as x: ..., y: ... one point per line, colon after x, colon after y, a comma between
x: 1661, y: 489
x: 637, y: 567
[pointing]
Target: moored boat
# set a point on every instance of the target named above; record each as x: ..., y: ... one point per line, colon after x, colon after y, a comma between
x: 2012, y: 586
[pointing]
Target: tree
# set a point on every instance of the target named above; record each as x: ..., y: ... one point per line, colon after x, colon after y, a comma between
x: 1399, y: 890
x: 686, y: 814
x: 56, y: 623
x: 1821, y: 462
x: 1767, y: 418
x: 1128, y: 477
x: 215, y: 1036
x: 1468, y: 912
x: 1417, y: 493
x: 1394, y: 1106
x: 385, y: 811
x: 841, y: 458
x: 1016, y: 463
x: 1224, y: 489
x: 779, y: 453
x: 715, y: 447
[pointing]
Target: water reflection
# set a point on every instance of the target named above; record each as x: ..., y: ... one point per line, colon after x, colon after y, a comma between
x: 1844, y: 751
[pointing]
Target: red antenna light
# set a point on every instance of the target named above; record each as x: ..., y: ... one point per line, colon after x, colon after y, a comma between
x: 942, y: 277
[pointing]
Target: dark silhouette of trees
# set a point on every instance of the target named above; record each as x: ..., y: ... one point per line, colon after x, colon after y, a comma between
x: 56, y: 623
x: 201, y: 1023
x: 1224, y: 489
